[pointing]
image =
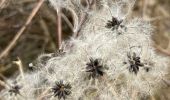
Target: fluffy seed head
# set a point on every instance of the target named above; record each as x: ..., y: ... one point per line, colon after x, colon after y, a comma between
x: 95, y: 68
x: 61, y: 90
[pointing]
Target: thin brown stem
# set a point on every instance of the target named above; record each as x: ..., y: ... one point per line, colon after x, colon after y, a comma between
x: 3, y: 3
x: 134, y: 94
x: 47, y: 34
x: 20, y: 32
x: 59, y: 28
x: 2, y: 83
x: 2, y: 76
x: 20, y: 67
x: 67, y: 21
x: 166, y: 52
x: 42, y: 95
x: 152, y: 97
x: 145, y: 3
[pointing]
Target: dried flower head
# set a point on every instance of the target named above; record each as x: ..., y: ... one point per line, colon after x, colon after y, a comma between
x: 61, y: 90
x: 134, y: 63
x: 15, y: 90
x: 149, y: 69
x: 95, y: 68
x: 114, y: 23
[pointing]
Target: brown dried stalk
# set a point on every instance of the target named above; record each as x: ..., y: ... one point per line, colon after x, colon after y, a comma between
x: 164, y: 51
x: 20, y: 32
x: 59, y: 28
x: 20, y: 67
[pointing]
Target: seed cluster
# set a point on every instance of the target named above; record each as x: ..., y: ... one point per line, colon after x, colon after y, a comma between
x: 114, y: 23
x: 61, y: 90
x: 95, y: 68
x: 15, y: 90
x: 134, y: 62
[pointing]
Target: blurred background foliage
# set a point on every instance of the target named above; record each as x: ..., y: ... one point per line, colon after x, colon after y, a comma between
x: 40, y: 35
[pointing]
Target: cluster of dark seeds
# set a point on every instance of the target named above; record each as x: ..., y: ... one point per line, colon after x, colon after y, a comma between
x: 14, y: 90
x: 135, y: 63
x: 114, y: 23
x: 95, y: 68
x: 61, y: 90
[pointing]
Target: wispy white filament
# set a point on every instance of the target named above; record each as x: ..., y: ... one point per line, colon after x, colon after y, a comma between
x: 114, y: 48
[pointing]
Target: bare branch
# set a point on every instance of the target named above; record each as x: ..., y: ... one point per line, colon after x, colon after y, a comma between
x: 59, y: 28
x: 20, y: 32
